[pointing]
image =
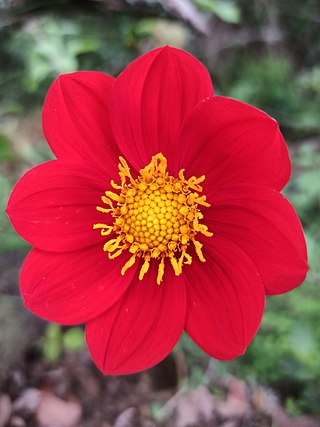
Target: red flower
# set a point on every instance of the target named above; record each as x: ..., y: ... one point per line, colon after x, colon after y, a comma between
x: 103, y: 243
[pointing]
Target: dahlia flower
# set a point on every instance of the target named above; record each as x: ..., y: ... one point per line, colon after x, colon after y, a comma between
x: 161, y: 213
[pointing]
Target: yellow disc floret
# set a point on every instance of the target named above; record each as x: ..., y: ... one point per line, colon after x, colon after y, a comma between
x: 156, y: 217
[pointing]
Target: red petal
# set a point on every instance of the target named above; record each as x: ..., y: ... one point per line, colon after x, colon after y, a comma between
x: 53, y: 206
x: 72, y: 287
x: 225, y: 300
x: 264, y: 224
x: 142, y: 328
x: 232, y: 143
x: 151, y: 99
x: 76, y: 118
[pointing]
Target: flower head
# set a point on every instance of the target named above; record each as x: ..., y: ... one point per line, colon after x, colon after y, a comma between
x: 161, y: 213
x: 157, y: 216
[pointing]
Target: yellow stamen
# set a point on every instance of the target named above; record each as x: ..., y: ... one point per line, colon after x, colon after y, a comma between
x: 115, y: 186
x: 156, y: 216
x: 204, y: 230
x: 104, y: 210
x: 117, y: 253
x: 114, y: 196
x: 105, y: 229
x: 112, y: 245
x: 124, y: 171
x: 198, y: 247
x: 175, y: 265
x: 188, y: 258
x: 144, y: 268
x: 160, y: 271
x: 128, y: 264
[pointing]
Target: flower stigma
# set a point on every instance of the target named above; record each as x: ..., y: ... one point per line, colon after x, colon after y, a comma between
x: 156, y: 216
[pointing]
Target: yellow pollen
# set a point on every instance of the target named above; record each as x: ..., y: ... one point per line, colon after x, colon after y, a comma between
x: 156, y: 217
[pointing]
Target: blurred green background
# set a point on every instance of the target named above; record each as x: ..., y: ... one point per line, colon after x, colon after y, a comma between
x: 264, y: 53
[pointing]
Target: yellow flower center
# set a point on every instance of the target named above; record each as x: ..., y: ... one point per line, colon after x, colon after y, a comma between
x: 156, y: 217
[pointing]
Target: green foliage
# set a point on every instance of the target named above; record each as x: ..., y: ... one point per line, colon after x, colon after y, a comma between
x: 50, y: 44
x: 310, y: 81
x: 45, y: 39
x: 156, y: 411
x: 9, y: 239
x: 52, y: 343
x: 57, y: 340
x: 304, y: 192
x: 134, y: 31
x: 73, y: 339
x: 6, y: 153
x: 228, y: 11
x: 271, y: 83
x: 284, y: 352
x: 266, y: 81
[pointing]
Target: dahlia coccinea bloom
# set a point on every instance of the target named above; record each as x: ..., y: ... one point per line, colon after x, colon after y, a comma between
x: 161, y: 213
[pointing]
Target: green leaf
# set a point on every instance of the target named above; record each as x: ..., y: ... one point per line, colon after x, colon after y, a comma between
x: 52, y: 342
x: 227, y: 11
x: 6, y: 154
x: 73, y: 339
